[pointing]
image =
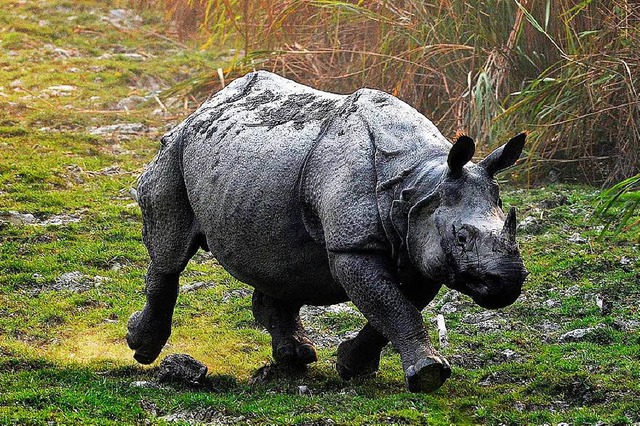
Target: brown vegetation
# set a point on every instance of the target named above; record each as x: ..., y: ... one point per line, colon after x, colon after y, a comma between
x: 566, y: 69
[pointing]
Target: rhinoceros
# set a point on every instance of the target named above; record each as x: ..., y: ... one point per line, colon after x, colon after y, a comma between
x: 318, y: 198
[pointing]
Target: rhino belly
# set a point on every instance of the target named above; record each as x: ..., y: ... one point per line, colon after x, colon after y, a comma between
x: 242, y: 186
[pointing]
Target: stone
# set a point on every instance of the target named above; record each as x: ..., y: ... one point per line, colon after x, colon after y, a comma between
x: 144, y: 384
x: 577, y: 335
x: 181, y: 368
x: 16, y: 218
x: 236, y: 294
x: 123, y: 18
x: 133, y: 56
x: 576, y: 238
x: 448, y: 308
x: 530, y: 225
x: 197, y: 286
x: 304, y: 390
x: 604, y: 304
x: 129, y: 103
x: 132, y: 129
x: 553, y: 202
x: 509, y: 354
x: 61, y: 90
x: 74, y: 281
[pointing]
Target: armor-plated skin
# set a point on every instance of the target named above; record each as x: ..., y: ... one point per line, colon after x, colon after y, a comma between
x: 317, y: 198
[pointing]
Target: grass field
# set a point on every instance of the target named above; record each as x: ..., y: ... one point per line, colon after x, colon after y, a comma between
x: 72, y: 267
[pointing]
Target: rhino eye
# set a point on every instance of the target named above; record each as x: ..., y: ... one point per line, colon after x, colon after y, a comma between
x: 462, y: 237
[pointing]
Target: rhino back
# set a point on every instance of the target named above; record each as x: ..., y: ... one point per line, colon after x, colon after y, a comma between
x: 242, y: 155
x: 278, y: 173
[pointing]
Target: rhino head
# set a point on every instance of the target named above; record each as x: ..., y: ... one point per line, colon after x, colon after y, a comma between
x: 458, y: 233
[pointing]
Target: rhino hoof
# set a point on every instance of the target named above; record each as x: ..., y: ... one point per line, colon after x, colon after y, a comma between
x: 145, y: 351
x: 306, y: 353
x: 353, y: 363
x: 427, y: 375
x: 295, y: 354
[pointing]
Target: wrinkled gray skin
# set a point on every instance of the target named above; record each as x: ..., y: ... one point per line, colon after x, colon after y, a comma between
x: 316, y: 198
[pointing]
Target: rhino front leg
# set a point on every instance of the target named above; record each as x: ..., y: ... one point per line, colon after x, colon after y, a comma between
x: 369, y: 282
x: 360, y: 356
x: 289, y: 341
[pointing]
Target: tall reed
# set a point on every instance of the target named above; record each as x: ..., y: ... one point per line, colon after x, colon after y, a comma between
x: 566, y: 69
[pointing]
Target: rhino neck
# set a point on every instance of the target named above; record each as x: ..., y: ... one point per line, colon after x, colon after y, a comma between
x: 396, y: 197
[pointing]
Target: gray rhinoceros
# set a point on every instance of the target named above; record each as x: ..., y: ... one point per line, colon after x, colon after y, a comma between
x: 318, y: 198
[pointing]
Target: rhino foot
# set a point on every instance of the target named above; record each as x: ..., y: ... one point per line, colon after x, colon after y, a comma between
x: 146, y: 338
x: 295, y: 352
x: 428, y: 374
x: 353, y: 361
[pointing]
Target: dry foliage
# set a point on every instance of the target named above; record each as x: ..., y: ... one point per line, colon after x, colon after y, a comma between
x: 566, y: 69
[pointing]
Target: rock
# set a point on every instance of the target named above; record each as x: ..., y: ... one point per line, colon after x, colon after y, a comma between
x: 549, y: 327
x: 74, y: 281
x: 197, y: 286
x: 508, y: 354
x: 443, y: 338
x: 61, y: 90
x: 236, y: 294
x: 127, y: 129
x: 575, y: 238
x: 60, y: 219
x: 626, y: 325
x: 530, y: 225
x: 133, y: 56
x: 129, y: 103
x: 123, y: 18
x: 604, y: 304
x: 144, y: 384
x: 16, y: 218
x: 451, y: 296
x: 209, y: 416
x: 577, y: 335
x: 181, y: 368
x: 553, y: 202
x: 304, y: 390
x: 448, y: 308
x: 16, y: 84
x: 478, y: 318
x: 551, y: 303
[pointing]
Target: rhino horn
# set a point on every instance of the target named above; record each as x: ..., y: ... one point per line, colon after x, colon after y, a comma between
x: 509, y: 228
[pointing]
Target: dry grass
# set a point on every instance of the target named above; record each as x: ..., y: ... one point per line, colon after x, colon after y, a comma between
x: 567, y: 69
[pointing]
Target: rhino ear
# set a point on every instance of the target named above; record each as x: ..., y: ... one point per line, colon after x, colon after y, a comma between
x: 505, y: 156
x: 460, y: 153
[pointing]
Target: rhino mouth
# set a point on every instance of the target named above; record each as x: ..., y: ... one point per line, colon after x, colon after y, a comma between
x: 490, y: 291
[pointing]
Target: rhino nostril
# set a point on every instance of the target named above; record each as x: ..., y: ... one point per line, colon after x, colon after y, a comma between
x: 462, y: 239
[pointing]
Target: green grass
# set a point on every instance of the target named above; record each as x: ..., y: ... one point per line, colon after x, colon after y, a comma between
x: 63, y: 358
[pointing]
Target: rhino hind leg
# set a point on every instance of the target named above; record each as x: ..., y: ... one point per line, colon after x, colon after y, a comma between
x: 171, y: 235
x: 360, y: 356
x: 289, y: 341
